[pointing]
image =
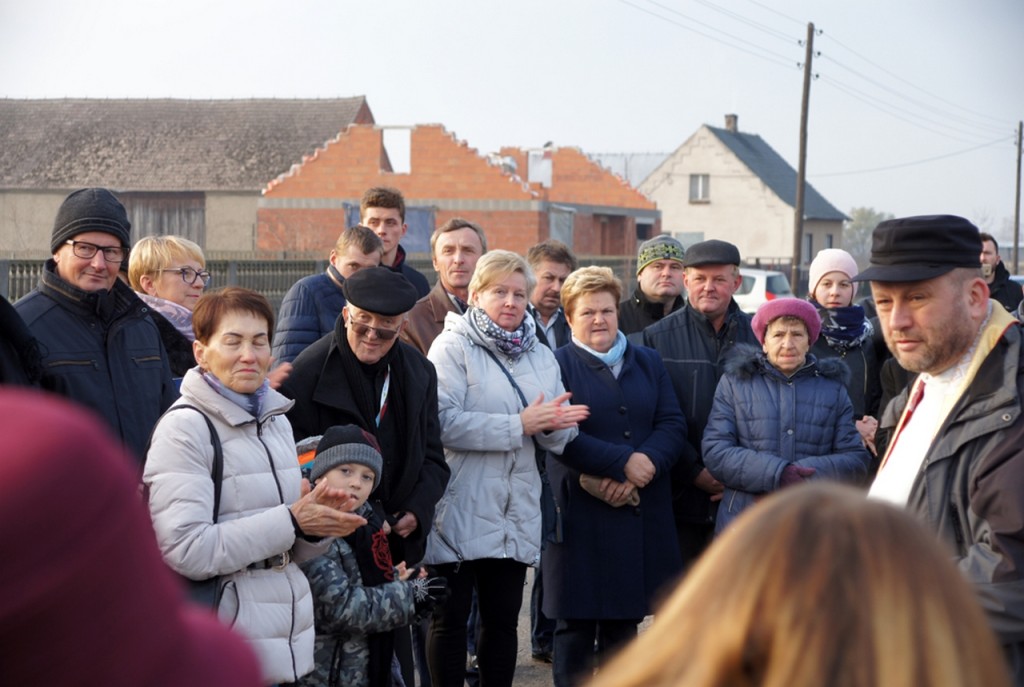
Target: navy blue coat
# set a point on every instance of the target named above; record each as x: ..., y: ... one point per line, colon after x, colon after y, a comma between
x: 611, y: 562
x: 761, y: 421
x: 308, y: 312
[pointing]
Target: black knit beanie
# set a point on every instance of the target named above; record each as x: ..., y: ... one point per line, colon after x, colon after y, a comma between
x: 347, y: 444
x: 90, y: 209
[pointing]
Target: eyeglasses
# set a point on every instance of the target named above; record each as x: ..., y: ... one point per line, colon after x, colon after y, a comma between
x: 189, y: 275
x: 87, y: 251
x: 363, y: 329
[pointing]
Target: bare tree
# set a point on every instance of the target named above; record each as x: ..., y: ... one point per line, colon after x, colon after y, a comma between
x: 857, y: 232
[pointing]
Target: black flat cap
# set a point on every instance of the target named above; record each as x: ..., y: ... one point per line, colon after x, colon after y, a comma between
x: 711, y: 252
x: 920, y: 248
x: 381, y: 291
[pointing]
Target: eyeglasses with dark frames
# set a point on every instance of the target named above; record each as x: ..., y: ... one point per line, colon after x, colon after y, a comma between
x: 363, y: 329
x: 189, y: 275
x: 86, y: 251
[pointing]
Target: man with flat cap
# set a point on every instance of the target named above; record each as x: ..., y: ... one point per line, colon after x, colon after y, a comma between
x: 659, y: 284
x: 361, y: 374
x: 99, y: 346
x: 693, y: 342
x: 956, y: 456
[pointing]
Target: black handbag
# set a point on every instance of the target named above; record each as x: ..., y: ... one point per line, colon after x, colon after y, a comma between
x: 207, y: 592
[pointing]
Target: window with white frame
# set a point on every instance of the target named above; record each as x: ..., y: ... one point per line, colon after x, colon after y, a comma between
x: 700, y: 188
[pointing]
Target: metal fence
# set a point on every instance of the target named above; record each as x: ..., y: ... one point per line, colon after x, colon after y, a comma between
x: 272, y: 278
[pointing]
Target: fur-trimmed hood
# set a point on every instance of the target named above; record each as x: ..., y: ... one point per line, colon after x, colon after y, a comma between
x: 745, y: 361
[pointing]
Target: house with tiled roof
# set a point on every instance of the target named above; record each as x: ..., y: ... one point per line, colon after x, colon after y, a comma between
x: 190, y: 167
x: 727, y: 184
x: 520, y: 197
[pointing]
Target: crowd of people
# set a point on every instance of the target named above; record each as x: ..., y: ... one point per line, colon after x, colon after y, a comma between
x: 826, y: 492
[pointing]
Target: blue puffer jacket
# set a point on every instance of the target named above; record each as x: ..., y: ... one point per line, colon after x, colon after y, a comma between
x: 761, y: 421
x: 308, y: 312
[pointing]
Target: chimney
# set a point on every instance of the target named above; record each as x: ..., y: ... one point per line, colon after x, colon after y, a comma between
x: 732, y: 123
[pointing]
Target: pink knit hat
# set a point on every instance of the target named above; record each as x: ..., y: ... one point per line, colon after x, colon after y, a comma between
x: 786, y: 307
x: 831, y: 260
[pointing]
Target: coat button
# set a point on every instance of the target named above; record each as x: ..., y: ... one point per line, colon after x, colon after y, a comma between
x: 789, y: 431
x: 1006, y: 417
x: 622, y: 410
x: 627, y: 434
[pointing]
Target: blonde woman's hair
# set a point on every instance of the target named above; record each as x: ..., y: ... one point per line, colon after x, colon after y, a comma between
x: 817, y: 585
x: 494, y: 266
x: 154, y: 253
x: 589, y: 280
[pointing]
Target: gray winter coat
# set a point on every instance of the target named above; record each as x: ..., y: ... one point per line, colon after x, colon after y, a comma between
x: 491, y: 507
x: 271, y: 607
x: 761, y: 421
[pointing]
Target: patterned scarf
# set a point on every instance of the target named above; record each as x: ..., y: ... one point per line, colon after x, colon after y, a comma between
x: 514, y: 343
x: 178, y: 315
x: 845, y: 328
x: 252, y: 403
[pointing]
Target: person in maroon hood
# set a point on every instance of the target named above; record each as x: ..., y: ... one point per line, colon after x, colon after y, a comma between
x: 87, y: 598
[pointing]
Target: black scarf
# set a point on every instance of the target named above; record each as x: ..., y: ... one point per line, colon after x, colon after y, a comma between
x: 845, y: 328
x: 365, y: 384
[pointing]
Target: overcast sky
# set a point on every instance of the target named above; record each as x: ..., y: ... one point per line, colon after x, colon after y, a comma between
x: 915, y: 109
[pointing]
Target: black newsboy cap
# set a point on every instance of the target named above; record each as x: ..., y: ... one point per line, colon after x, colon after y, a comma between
x: 922, y: 247
x: 381, y: 291
x: 711, y: 252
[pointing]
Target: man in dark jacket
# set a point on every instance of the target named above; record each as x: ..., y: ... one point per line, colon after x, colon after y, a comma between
x: 659, y: 288
x: 98, y: 343
x: 956, y: 456
x: 693, y: 343
x: 363, y: 375
x: 311, y: 307
x: 1000, y: 286
x: 551, y: 261
x: 383, y: 210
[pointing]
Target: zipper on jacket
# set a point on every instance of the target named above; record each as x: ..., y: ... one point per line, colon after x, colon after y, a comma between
x: 270, y: 459
x: 146, y: 359
x: 958, y: 532
x: 448, y: 543
x: 74, y: 363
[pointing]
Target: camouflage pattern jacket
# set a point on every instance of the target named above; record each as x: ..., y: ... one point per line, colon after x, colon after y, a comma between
x: 345, y: 612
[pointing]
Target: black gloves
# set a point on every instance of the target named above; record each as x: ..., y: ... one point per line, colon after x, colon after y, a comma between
x: 428, y: 594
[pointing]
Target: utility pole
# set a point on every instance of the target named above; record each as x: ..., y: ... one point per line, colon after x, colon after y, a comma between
x: 801, y: 170
x: 1016, y: 206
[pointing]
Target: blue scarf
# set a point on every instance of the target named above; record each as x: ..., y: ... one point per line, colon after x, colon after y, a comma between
x: 514, y: 343
x: 845, y: 328
x: 252, y: 403
x: 613, y: 356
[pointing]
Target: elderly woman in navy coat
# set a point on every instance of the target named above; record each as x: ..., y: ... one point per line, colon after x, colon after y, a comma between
x: 614, y: 548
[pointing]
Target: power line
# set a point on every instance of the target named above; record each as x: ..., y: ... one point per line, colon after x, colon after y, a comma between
x: 776, y: 58
x: 892, y: 110
x: 925, y: 106
x: 775, y: 11
x: 907, y: 82
x: 740, y: 18
x: 915, y: 162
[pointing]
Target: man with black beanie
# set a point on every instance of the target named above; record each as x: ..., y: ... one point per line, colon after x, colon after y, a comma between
x: 99, y: 346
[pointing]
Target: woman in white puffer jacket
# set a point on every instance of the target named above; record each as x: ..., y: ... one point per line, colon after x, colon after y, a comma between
x: 266, y: 521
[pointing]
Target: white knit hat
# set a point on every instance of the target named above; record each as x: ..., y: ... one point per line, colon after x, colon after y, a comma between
x: 831, y: 260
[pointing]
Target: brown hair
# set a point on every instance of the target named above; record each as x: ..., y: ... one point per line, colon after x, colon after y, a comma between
x: 383, y: 197
x: 817, y: 585
x: 589, y: 280
x: 552, y: 250
x: 454, y: 224
x: 214, y: 305
x: 362, y: 238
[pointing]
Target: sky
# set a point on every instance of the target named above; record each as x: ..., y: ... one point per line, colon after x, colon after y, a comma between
x: 914, y: 106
